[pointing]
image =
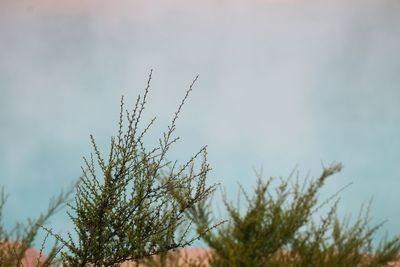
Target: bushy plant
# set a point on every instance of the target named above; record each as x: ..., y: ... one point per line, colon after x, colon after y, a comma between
x: 123, y: 208
x: 137, y: 205
x: 278, y: 229
x: 14, y: 243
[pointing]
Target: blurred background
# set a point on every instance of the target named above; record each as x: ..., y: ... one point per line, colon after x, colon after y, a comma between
x: 283, y: 83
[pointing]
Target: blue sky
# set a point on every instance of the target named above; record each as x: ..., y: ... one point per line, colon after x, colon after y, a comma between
x: 282, y: 84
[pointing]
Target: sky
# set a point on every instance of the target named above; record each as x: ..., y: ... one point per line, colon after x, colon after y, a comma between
x: 283, y: 84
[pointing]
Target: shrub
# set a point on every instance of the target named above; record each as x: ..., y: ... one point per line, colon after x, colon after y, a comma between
x: 135, y: 204
x: 15, y: 242
x: 123, y: 208
x: 277, y: 229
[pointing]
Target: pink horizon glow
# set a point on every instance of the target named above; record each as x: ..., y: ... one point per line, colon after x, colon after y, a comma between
x: 121, y: 7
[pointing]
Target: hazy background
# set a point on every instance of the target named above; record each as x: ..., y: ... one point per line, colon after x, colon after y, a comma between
x: 282, y: 83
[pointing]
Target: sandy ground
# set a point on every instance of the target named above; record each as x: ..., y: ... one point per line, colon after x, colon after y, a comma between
x: 185, y: 257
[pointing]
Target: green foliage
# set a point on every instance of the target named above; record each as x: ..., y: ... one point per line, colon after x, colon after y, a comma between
x: 123, y: 208
x: 15, y: 243
x: 136, y: 204
x: 277, y: 229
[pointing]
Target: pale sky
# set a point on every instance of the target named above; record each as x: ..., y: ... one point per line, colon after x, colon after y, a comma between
x: 282, y: 84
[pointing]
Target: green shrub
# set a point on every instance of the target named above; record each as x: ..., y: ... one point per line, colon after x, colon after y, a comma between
x: 277, y: 229
x: 123, y: 207
x: 135, y: 204
x: 15, y: 242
